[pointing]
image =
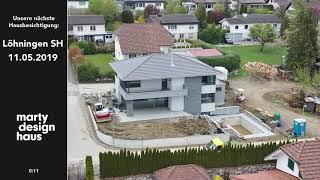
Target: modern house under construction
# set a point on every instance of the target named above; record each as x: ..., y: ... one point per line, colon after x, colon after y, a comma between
x: 172, y: 82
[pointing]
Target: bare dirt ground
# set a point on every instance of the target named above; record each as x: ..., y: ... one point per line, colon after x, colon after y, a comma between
x: 255, y: 93
x: 162, y: 128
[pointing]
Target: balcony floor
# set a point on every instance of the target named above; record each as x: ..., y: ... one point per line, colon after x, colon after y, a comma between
x: 151, y: 114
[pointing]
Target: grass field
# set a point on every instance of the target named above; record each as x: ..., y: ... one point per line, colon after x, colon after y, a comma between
x: 270, y: 55
x: 100, y: 60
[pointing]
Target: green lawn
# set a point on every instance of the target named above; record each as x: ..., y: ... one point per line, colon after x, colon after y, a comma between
x: 270, y: 54
x: 100, y: 60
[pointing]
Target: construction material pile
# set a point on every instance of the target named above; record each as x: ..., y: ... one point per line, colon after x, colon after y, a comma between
x: 261, y: 69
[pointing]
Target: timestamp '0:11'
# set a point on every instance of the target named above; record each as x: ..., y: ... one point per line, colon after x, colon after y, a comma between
x: 33, y: 57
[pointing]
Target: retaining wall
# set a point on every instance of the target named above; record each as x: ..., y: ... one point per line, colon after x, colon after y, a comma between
x: 227, y: 110
x: 156, y: 143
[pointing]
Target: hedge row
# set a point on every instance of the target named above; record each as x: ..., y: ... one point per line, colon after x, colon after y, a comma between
x: 89, y: 168
x: 87, y: 72
x: 125, y: 163
x: 229, y: 61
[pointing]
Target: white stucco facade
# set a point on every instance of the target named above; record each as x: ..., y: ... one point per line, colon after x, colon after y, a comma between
x: 244, y: 29
x: 282, y: 164
x: 82, y: 32
x: 117, y: 49
x: 78, y: 4
x: 183, y: 31
x: 140, y: 6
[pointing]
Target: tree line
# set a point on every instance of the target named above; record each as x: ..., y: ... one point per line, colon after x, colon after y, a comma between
x: 124, y: 162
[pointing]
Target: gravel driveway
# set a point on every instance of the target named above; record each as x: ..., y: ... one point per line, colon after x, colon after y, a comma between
x: 254, y: 92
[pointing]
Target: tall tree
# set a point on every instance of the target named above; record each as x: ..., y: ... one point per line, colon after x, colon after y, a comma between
x: 200, y: 13
x: 127, y: 16
x: 209, y: 17
x: 108, y: 8
x: 217, y: 16
x: 151, y: 10
x: 219, y: 6
x: 284, y: 22
x: 227, y: 11
x: 302, y: 38
x: 174, y: 7
x: 264, y: 33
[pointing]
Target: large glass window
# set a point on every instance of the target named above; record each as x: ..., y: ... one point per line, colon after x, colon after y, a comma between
x: 208, y: 80
x: 207, y: 98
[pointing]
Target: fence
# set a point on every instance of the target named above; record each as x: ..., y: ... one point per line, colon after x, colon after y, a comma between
x: 227, y: 110
x: 156, y: 143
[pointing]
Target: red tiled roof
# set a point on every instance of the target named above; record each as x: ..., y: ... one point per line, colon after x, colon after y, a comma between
x: 143, y: 38
x: 265, y: 175
x: 307, y: 155
x: 205, y: 52
x: 182, y: 172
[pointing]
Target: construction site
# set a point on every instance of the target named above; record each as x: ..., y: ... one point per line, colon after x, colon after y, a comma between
x: 272, y: 103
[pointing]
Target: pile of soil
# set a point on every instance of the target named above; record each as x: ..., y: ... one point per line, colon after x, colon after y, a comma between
x: 152, y: 129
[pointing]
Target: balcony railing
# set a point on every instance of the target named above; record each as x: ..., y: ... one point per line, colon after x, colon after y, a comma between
x: 152, y: 94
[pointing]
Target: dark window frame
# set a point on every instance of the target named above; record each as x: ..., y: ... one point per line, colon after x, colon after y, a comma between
x: 218, y: 89
x: 132, y: 84
x: 236, y: 27
x: 206, y: 81
x: 207, y: 98
x: 290, y: 164
x: 246, y: 26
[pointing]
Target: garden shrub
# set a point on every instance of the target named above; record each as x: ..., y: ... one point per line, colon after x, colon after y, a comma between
x: 87, y: 47
x: 87, y: 72
x: 229, y: 61
x: 89, y: 168
x: 212, y: 34
x: 105, y: 49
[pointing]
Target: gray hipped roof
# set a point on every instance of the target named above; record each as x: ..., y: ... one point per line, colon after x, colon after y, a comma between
x: 174, y: 19
x: 159, y: 66
x: 253, y: 18
x: 85, y: 20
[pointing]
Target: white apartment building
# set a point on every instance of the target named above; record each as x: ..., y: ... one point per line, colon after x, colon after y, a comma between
x: 239, y: 25
x: 181, y: 26
x: 88, y: 28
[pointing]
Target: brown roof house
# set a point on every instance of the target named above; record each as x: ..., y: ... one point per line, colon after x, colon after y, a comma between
x: 301, y: 159
x: 182, y: 172
x: 133, y: 40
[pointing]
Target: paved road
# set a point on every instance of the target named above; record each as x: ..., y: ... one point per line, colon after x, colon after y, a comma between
x: 79, y: 135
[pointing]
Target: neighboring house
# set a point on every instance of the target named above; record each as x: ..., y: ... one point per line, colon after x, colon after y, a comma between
x: 88, y: 28
x: 176, y: 82
x: 133, y: 40
x: 277, y: 4
x: 264, y: 175
x: 301, y: 159
x: 181, y: 26
x: 139, y: 5
x: 239, y: 25
x: 78, y: 4
x: 313, y: 4
x: 192, y: 5
x: 253, y: 3
x: 180, y: 172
